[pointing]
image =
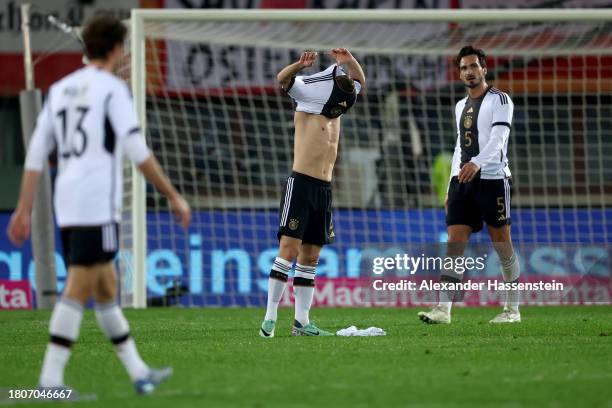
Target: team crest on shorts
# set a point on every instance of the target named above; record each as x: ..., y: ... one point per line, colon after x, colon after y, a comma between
x: 335, y: 111
x: 293, y: 224
x: 467, y: 122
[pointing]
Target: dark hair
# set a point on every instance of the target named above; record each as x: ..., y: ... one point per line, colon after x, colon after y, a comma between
x: 469, y: 50
x: 101, y: 35
x: 345, y: 83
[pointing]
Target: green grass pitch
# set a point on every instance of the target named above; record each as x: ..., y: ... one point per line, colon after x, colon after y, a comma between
x: 558, y: 357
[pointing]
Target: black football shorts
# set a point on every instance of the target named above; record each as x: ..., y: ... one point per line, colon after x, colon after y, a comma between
x: 479, y: 200
x: 306, y: 210
x: 87, y: 246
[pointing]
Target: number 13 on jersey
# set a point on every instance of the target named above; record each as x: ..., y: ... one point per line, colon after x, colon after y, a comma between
x: 74, y: 141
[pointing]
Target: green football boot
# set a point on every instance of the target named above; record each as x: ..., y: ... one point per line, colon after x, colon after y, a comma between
x: 309, y: 330
x: 267, y: 329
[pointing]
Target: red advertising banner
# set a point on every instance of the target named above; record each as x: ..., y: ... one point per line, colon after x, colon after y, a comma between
x: 15, y: 295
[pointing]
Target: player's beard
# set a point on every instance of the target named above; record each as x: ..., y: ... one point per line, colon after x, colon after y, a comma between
x: 474, y: 84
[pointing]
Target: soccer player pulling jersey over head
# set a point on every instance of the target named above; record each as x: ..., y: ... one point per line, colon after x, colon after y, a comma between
x: 305, y: 223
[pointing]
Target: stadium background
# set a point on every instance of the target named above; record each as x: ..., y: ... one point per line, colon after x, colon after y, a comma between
x: 234, y: 273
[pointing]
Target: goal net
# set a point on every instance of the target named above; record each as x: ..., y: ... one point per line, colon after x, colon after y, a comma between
x: 204, y: 84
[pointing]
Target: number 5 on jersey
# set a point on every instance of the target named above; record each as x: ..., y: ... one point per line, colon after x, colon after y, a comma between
x: 468, y: 138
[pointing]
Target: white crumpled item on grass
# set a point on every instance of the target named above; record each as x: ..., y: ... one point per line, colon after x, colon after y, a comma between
x: 354, y: 331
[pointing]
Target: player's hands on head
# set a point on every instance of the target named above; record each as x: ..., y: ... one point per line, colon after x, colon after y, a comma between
x: 308, y: 58
x: 467, y: 173
x: 341, y: 55
x: 19, y: 227
x: 181, y: 210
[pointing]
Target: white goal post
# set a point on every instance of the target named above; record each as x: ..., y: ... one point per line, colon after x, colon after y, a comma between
x: 538, y: 194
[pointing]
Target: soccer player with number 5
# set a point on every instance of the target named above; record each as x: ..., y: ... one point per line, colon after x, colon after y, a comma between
x: 90, y: 119
x: 480, y: 187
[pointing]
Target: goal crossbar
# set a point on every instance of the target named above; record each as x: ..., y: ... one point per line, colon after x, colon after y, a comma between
x: 374, y: 16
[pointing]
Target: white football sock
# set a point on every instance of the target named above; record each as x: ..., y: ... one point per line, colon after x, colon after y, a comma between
x: 115, y: 326
x: 511, y: 272
x: 136, y: 368
x: 303, y: 289
x: 64, y: 330
x: 447, y: 297
x: 445, y: 302
x: 54, y: 363
x: 276, y: 286
x: 111, y: 320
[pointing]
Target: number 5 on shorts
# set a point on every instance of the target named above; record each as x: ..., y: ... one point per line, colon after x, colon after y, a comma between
x: 501, y: 205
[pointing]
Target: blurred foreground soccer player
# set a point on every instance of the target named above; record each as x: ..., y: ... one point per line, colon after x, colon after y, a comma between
x: 306, y: 205
x: 480, y: 186
x: 89, y: 117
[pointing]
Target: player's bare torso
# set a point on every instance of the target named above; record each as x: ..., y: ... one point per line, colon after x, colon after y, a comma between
x: 315, y: 145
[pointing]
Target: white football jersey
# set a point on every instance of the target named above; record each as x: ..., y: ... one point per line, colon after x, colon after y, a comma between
x: 483, y: 130
x: 319, y: 94
x: 90, y: 118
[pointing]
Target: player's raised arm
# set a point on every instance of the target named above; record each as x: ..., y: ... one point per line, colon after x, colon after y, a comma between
x: 344, y: 57
x: 286, y: 74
